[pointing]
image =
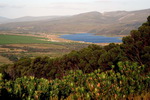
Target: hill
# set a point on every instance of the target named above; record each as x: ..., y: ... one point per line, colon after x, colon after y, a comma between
x: 108, y: 23
x: 3, y: 19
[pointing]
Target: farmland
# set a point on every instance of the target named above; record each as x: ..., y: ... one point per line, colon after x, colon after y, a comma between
x: 13, y: 47
x: 17, y: 39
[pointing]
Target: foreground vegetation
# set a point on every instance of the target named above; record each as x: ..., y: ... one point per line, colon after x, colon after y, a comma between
x: 128, y: 82
x: 110, y: 72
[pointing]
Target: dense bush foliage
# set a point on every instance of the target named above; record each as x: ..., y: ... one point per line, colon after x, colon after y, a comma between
x: 127, y: 82
x: 10, y: 57
x: 137, y: 46
x: 88, y: 59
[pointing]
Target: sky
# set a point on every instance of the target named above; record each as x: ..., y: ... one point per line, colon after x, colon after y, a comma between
x: 20, y: 8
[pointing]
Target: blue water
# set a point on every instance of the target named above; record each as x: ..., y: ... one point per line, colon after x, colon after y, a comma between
x: 89, y: 37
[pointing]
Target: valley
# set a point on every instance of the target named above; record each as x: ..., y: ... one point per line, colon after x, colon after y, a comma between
x: 87, y: 56
x: 16, y: 46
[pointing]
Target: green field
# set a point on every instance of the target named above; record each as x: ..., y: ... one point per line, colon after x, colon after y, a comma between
x: 16, y: 39
x: 18, y: 46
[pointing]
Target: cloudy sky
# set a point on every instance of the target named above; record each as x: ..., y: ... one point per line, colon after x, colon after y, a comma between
x: 19, y: 8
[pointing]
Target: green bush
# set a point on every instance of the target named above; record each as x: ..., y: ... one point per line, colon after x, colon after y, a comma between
x: 129, y: 80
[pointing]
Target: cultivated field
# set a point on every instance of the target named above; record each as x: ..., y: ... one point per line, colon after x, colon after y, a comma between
x: 14, y: 47
x: 17, y: 39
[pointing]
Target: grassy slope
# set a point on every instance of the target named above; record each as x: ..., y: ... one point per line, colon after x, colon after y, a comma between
x: 15, y: 39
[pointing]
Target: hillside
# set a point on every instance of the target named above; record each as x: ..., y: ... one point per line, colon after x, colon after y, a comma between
x: 3, y: 20
x: 108, y: 23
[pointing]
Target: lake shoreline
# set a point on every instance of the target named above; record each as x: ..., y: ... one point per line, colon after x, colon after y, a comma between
x: 91, y: 38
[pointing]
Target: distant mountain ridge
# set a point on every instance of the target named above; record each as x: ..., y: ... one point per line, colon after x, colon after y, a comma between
x: 3, y: 19
x: 108, y: 23
x: 28, y: 19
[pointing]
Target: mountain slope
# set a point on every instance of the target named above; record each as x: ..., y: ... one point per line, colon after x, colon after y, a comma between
x: 108, y: 23
x: 3, y: 19
x: 30, y: 18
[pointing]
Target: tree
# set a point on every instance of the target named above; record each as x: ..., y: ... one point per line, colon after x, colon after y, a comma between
x: 137, y: 45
